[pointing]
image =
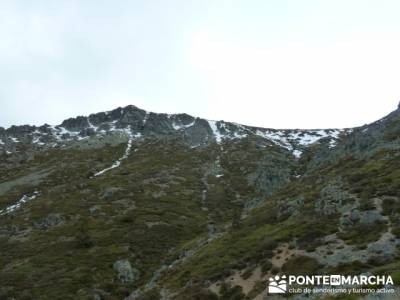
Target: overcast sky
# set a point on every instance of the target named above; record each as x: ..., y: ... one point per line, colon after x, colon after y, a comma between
x: 270, y: 63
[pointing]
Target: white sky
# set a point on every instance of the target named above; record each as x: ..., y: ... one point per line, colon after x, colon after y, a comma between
x: 269, y: 63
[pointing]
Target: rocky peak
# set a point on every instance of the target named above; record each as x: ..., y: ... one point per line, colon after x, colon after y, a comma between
x: 122, y: 122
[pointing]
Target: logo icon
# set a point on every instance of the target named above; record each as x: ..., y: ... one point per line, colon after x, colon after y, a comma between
x: 335, y: 279
x: 277, y: 285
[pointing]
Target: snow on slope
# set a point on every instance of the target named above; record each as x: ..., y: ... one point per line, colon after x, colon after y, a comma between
x: 292, y: 140
x: 180, y: 127
x: 18, y: 204
x: 117, y: 163
x: 227, y: 131
x: 218, y: 136
x: 289, y: 139
x: 145, y: 118
x: 91, y: 125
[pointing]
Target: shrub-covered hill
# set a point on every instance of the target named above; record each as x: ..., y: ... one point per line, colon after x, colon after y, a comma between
x: 137, y: 205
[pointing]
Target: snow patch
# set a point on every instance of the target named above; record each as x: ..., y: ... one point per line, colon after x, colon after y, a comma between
x: 276, y: 137
x: 80, y: 138
x: 297, y: 153
x: 36, y: 140
x: 218, y: 136
x: 145, y: 118
x: 18, y: 204
x: 179, y: 127
x: 117, y: 163
x: 91, y: 125
x: 59, y: 132
x: 299, y: 137
x: 305, y: 138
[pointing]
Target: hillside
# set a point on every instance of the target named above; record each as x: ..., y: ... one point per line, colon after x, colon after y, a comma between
x: 138, y: 205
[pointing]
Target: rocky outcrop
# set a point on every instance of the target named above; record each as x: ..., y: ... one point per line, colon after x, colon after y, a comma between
x: 110, y: 192
x: 75, y: 124
x: 291, y: 207
x: 125, y: 272
x: 198, y: 134
x: 50, y: 221
x: 331, y: 199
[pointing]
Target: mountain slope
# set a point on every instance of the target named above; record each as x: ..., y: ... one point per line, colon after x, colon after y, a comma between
x: 132, y: 203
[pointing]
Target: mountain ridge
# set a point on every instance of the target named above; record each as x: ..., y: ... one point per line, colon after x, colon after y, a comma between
x: 140, y: 122
x: 113, y: 111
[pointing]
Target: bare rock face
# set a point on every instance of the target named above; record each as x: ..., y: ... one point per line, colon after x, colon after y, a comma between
x: 198, y: 134
x: 133, y: 117
x: 76, y: 124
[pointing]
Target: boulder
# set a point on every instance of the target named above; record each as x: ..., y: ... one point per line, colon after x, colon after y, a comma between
x: 370, y: 217
x: 50, y: 221
x: 110, y: 192
x: 349, y: 219
x: 125, y: 272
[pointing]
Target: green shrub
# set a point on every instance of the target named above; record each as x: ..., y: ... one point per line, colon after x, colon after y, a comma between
x: 266, y: 266
x: 153, y: 294
x: 247, y: 273
x: 352, y: 268
x: 194, y: 292
x: 228, y: 292
x: 258, y: 288
x: 396, y: 278
x: 390, y: 206
x: 362, y: 235
x: 301, y: 265
x: 396, y: 231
